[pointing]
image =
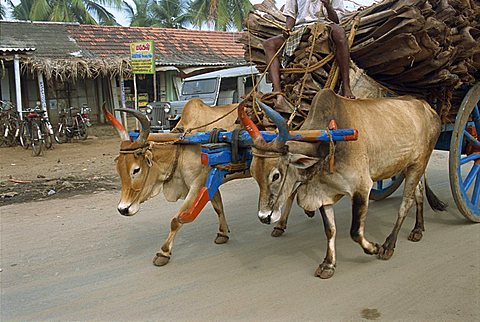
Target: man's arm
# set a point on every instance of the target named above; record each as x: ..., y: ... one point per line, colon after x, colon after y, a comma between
x: 290, y: 12
x: 289, y: 25
x: 332, y: 15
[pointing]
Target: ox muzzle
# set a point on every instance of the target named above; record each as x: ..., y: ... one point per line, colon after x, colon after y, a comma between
x: 128, y: 209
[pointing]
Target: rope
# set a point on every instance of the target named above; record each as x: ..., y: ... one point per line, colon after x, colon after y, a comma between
x: 314, y: 67
x: 254, y: 89
x: 331, y: 152
x: 294, y: 113
x: 210, y: 123
x: 174, y: 166
x: 242, y: 102
x: 272, y: 22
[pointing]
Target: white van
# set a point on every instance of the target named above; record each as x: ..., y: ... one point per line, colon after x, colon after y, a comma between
x: 217, y: 88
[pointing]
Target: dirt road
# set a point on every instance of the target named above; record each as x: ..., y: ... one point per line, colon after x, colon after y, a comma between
x: 78, y: 259
x: 67, y: 169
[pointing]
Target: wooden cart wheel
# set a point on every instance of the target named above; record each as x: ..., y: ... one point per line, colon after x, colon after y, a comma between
x: 384, y: 188
x: 464, y: 163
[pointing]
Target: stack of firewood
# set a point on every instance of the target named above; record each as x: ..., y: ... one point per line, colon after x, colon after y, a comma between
x: 426, y: 48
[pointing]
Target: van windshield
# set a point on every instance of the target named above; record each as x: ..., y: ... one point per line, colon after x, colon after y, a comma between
x: 199, y: 86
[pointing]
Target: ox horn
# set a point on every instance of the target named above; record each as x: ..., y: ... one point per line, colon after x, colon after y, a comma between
x: 116, y: 124
x: 279, y: 122
x: 144, y: 122
x: 251, y: 128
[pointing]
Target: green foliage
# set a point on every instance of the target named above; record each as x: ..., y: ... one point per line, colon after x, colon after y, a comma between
x: 169, y: 13
x: 82, y: 11
x: 219, y: 14
x: 216, y: 14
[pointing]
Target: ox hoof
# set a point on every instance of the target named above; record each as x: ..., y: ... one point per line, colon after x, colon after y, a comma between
x: 277, y: 232
x: 385, y: 253
x: 416, y: 235
x: 325, y: 270
x: 221, y: 239
x: 309, y: 213
x: 160, y: 260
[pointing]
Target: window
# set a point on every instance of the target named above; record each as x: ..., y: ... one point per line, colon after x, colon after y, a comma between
x: 199, y: 86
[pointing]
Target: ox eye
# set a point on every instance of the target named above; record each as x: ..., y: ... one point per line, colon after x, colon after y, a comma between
x: 136, y: 170
x: 275, y: 177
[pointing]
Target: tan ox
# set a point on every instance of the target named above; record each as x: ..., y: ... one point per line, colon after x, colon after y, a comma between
x: 395, y: 135
x: 146, y: 169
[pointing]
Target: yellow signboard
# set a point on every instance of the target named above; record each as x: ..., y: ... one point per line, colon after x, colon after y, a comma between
x: 142, y: 56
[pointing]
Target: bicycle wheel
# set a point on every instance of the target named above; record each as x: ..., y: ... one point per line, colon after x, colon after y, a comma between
x: 82, y: 130
x: 47, y: 136
x: 2, y: 134
x: 60, y: 135
x: 24, y: 135
x: 10, y: 129
x: 36, y: 140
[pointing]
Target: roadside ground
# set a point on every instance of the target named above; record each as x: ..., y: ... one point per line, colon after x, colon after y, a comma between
x: 72, y: 168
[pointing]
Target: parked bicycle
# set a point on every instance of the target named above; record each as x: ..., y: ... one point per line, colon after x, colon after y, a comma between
x: 9, y: 124
x: 36, y: 131
x: 73, y: 123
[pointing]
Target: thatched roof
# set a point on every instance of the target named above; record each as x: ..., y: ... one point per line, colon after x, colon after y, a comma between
x: 71, y: 51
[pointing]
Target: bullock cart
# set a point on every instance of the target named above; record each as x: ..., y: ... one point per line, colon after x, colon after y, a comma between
x: 231, y: 153
x: 429, y: 49
x: 426, y: 48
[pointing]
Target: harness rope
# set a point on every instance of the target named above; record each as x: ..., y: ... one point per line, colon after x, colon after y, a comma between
x: 299, y: 101
x: 148, y: 147
x: 284, y: 177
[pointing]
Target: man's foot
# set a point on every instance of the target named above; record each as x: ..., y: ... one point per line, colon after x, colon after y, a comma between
x: 347, y: 92
x: 283, y: 105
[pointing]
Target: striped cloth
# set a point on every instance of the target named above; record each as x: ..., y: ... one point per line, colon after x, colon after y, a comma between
x: 293, y: 41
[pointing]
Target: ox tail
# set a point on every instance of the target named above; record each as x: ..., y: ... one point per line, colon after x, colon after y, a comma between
x: 433, y: 200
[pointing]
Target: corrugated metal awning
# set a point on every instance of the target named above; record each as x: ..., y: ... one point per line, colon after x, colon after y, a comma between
x: 14, y: 49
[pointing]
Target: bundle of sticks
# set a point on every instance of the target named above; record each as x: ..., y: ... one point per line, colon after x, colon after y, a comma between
x: 426, y: 48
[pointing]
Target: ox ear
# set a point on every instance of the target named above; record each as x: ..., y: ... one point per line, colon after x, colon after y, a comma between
x: 149, y: 158
x: 302, y: 161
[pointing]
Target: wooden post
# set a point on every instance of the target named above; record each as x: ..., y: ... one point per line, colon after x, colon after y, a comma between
x: 124, y: 105
x: 18, y: 88
x: 135, y: 98
x: 154, y: 85
x: 41, y: 89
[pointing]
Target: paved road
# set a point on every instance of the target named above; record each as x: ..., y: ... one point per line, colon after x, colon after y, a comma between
x: 77, y: 259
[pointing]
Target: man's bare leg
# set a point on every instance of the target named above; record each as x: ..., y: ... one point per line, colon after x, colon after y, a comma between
x: 271, y: 46
x: 342, y: 57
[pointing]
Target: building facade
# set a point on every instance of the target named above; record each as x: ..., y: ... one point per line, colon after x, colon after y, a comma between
x: 64, y: 65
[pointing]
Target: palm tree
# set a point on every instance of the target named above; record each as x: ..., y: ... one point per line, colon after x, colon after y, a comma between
x: 3, y: 12
x: 82, y: 11
x: 223, y: 14
x: 140, y: 15
x: 22, y: 10
x: 169, y: 13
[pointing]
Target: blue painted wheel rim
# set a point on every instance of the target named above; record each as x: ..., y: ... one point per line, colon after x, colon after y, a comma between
x: 470, y: 184
x: 383, y: 185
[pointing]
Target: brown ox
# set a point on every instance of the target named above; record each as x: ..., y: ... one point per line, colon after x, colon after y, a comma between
x: 395, y: 135
x: 146, y: 169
